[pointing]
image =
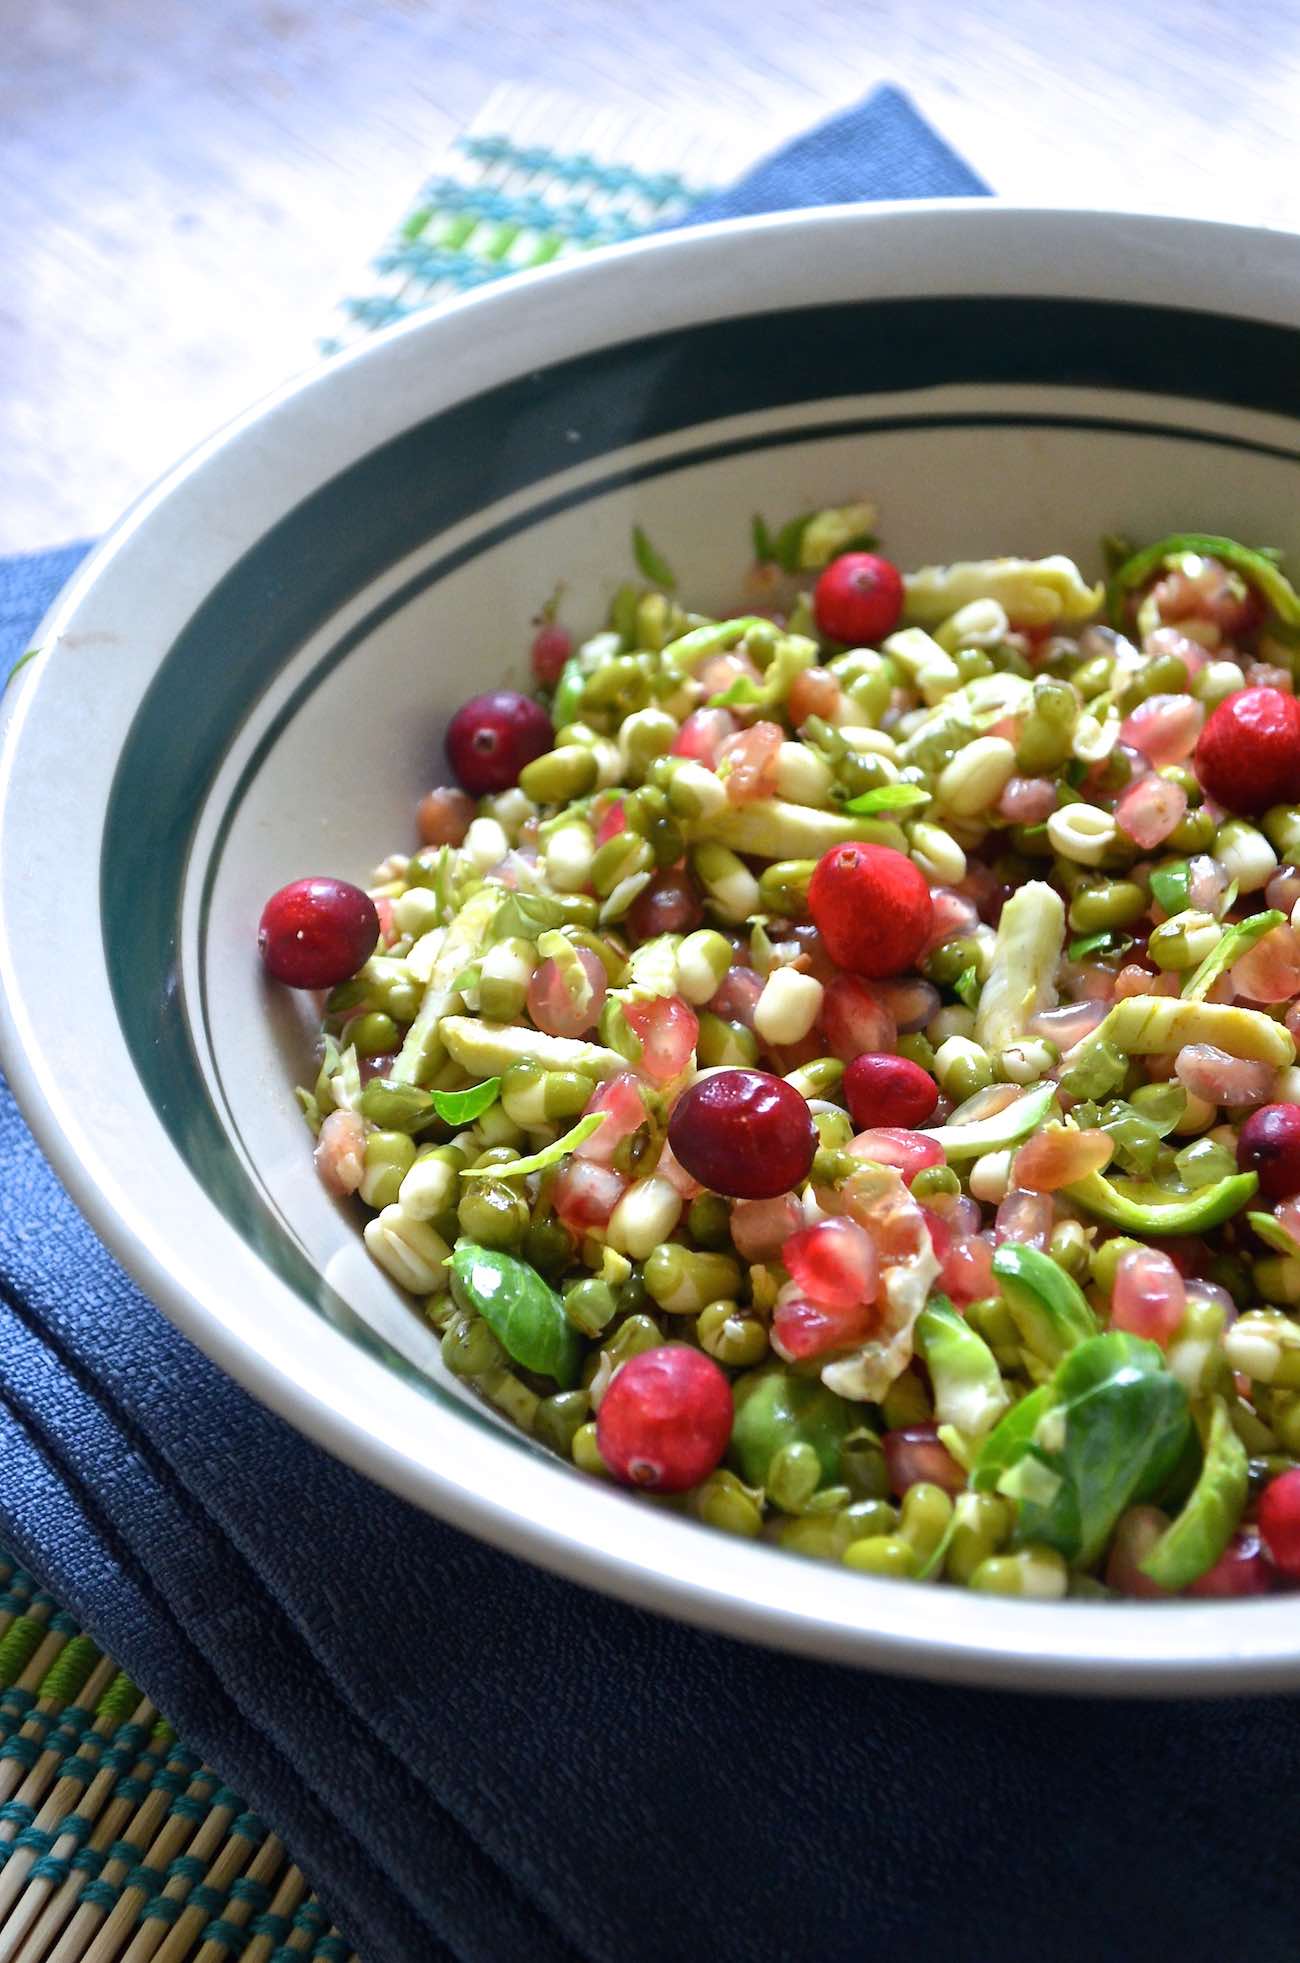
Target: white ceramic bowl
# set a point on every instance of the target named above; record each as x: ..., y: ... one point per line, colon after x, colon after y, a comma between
x: 249, y: 681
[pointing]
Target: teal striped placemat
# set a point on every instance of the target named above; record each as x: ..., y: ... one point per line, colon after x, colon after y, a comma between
x: 508, y: 196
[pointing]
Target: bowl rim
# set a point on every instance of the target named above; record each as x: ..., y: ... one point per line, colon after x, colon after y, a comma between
x: 1075, y: 1646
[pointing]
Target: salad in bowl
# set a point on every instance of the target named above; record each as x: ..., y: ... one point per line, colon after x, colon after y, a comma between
x: 832, y: 1069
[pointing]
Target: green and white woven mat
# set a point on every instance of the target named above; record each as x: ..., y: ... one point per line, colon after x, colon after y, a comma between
x: 117, y: 1845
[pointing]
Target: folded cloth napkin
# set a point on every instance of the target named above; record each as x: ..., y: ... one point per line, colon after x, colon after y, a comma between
x: 474, y: 1760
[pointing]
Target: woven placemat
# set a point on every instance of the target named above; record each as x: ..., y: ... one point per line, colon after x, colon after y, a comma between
x: 116, y: 1841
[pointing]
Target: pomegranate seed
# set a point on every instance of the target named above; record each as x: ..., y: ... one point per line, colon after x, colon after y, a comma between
x: 387, y: 925
x: 1149, y: 810
x: 858, y: 599
x: 1242, y: 1569
x: 747, y: 762
x: 317, y: 932
x: 340, y: 1153
x: 737, y: 996
x: 1210, y: 594
x: 813, y: 693
x: 803, y: 1329
x: 1269, y: 1144
x: 702, y: 735
x: 834, y: 1264
x: 1027, y: 800
x: 872, y: 907
x: 443, y: 817
x: 888, y: 1090
x: 491, y: 737
x: 585, y: 1194
x: 966, y: 1270
x: 1025, y: 1218
x: 671, y: 1169
x: 716, y: 675
x: 1168, y: 640
x: 612, y: 821
x: 552, y: 646
x: 1164, y: 728
x: 893, y: 1145
x: 554, y: 1009
x: 1058, y: 1158
x: 670, y: 904
x: 622, y: 1110
x: 760, y: 1228
x: 911, y: 1003
x: 1222, y: 1079
x: 1269, y: 971
x: 953, y: 916
x: 854, y: 1019
x: 914, y: 1456
x: 1148, y: 1298
x: 744, y: 1133
x: 1283, y: 889
x: 1279, y: 1522
x: 669, y: 1030
x: 665, y: 1420
x: 1248, y: 756
x: 1136, y: 1533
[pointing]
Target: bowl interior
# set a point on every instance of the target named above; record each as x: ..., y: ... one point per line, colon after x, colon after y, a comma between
x: 359, y: 597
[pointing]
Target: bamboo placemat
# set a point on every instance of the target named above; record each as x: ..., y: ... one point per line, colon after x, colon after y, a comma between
x: 117, y: 1844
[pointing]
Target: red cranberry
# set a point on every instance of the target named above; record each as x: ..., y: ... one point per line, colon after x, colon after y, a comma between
x: 665, y: 1420
x: 1269, y: 1144
x: 1248, y: 755
x: 670, y: 904
x: 744, y: 1133
x: 889, y: 1090
x: 316, y: 932
x: 872, y: 908
x: 858, y: 599
x: 1241, y: 1569
x: 491, y: 737
x: 915, y: 1454
x: 552, y: 646
x: 1279, y: 1522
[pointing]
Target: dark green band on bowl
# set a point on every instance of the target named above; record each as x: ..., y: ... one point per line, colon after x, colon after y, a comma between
x: 335, y: 544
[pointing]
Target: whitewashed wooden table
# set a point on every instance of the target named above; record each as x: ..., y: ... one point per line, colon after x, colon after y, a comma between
x: 188, y: 189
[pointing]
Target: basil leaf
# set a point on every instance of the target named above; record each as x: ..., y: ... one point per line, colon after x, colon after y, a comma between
x: 462, y: 1107
x: 889, y: 797
x: 548, y: 1156
x: 1169, y: 884
x: 785, y: 546
x: 524, y: 1314
x: 764, y: 548
x: 1105, y: 942
x: 652, y: 563
x: 1122, y: 1421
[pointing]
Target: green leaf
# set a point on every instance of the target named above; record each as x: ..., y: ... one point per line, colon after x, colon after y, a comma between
x: 526, y: 915
x: 967, y: 987
x: 1235, y: 942
x: 20, y: 664
x: 524, y: 1314
x: 1258, y: 568
x: 548, y: 1156
x: 968, y: 1388
x: 764, y: 549
x: 1169, y: 884
x: 1112, y: 1430
x: 1193, y: 1543
x: 652, y: 563
x: 1050, y: 1311
x: 785, y: 546
x: 467, y: 978
x: 462, y: 1107
x: 888, y: 797
x: 1105, y: 942
x: 1008, y: 1442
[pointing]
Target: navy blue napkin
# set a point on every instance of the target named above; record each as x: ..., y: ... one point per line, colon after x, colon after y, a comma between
x: 473, y: 1760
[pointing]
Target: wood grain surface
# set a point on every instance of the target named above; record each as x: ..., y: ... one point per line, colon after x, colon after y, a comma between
x: 189, y: 185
